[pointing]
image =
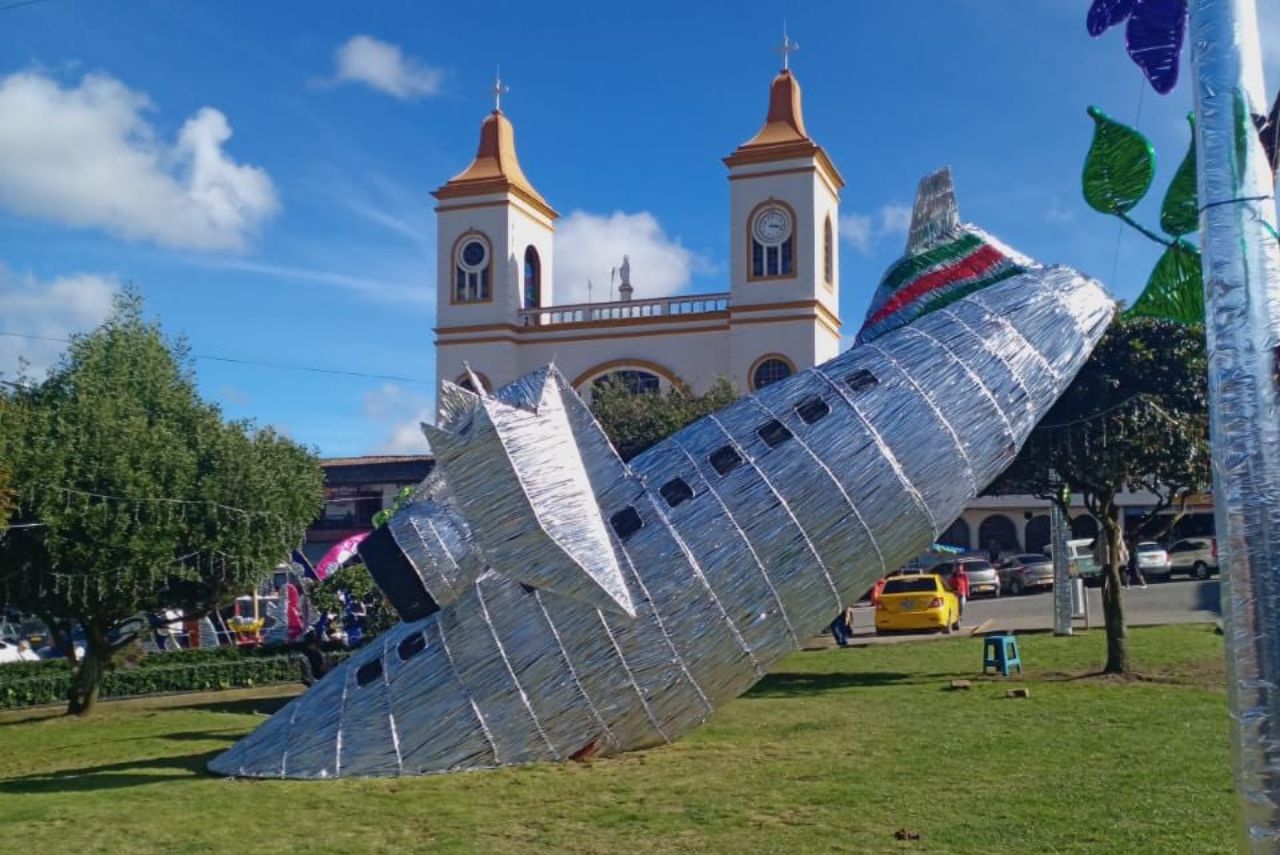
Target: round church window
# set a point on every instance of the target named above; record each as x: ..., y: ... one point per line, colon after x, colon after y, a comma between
x: 770, y: 370
x: 474, y: 254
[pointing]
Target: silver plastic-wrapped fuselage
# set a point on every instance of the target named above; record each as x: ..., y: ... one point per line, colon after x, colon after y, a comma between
x: 736, y: 539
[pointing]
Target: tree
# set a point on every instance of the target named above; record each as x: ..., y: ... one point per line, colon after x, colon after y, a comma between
x: 135, y: 496
x: 8, y: 421
x: 1137, y: 416
x: 633, y: 422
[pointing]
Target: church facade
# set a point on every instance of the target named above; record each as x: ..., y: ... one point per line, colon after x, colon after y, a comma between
x: 497, y: 313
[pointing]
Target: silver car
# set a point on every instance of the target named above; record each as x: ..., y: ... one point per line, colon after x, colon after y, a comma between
x: 983, y: 578
x: 1153, y: 560
x: 1027, y: 572
x: 1195, y: 556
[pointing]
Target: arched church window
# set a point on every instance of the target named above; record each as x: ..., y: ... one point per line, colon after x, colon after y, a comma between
x: 464, y: 380
x: 635, y: 381
x: 773, y: 243
x: 472, y: 270
x: 828, y: 260
x: 532, y: 279
x: 769, y: 370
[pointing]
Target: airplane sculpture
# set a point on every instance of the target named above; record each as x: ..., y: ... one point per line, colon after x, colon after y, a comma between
x: 559, y: 603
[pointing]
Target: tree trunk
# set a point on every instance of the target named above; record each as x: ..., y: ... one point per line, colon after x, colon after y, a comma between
x: 86, y: 677
x: 1112, y: 604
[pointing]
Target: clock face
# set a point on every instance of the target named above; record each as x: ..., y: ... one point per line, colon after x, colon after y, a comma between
x: 474, y: 254
x: 772, y: 226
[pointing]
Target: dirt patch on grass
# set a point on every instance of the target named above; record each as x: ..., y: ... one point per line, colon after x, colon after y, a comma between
x: 1210, y: 674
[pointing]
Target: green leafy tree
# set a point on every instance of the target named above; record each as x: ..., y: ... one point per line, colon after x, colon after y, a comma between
x: 633, y: 422
x: 135, y: 496
x: 8, y: 430
x: 1136, y: 416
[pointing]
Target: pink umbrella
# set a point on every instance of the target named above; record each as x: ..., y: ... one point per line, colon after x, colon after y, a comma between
x: 338, y: 554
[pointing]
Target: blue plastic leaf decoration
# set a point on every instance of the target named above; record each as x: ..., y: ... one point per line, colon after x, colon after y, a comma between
x: 1153, y: 35
x: 1119, y: 166
x: 1104, y: 14
x: 1154, y: 39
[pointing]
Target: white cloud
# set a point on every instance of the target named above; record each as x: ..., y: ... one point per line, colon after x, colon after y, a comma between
x: 399, y: 292
x: 405, y: 411
x: 1058, y: 212
x: 50, y: 312
x: 589, y: 246
x: 864, y: 231
x: 856, y: 230
x: 85, y: 156
x: 895, y: 219
x: 384, y: 67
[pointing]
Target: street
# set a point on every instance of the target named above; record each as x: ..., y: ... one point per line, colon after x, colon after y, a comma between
x: 1179, y: 601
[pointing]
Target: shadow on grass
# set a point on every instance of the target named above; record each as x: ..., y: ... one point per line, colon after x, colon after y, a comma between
x: 241, y: 706
x: 787, y: 684
x: 111, y: 776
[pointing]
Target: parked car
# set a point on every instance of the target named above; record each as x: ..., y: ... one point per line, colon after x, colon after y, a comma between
x: 983, y: 578
x: 1080, y: 560
x: 1030, y: 571
x: 1153, y: 561
x: 17, y: 652
x: 922, y: 601
x: 1195, y: 556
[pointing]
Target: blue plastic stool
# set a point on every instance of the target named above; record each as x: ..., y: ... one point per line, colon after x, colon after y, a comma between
x: 1000, y: 651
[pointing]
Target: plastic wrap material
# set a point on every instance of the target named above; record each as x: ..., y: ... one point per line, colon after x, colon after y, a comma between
x: 1242, y: 298
x: 725, y: 546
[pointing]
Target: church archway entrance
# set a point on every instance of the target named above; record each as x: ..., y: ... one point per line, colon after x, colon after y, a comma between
x: 1084, y: 526
x: 1037, y: 535
x: 997, y: 535
x: 957, y: 535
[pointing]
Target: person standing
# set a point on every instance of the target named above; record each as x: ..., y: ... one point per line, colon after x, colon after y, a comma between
x: 959, y: 582
x: 1135, y: 572
x: 842, y: 627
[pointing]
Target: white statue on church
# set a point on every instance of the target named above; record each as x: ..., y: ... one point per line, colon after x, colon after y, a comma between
x: 624, y: 272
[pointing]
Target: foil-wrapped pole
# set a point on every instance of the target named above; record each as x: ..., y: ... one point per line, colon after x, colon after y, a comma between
x: 1242, y: 301
x: 1062, y: 581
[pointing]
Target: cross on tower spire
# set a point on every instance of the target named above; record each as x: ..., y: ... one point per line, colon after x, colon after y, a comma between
x: 787, y: 47
x: 499, y: 89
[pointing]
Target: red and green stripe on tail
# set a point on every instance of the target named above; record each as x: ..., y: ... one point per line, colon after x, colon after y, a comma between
x: 928, y: 281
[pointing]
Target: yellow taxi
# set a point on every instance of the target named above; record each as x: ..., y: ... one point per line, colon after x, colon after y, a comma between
x: 916, y: 602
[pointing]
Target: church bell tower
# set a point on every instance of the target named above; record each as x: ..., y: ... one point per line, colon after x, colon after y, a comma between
x: 494, y: 255
x: 784, y: 211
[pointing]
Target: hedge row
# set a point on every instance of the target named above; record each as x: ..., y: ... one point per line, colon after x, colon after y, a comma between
x: 166, y: 659
x: 50, y: 687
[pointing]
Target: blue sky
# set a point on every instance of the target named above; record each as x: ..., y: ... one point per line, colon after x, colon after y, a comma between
x: 261, y: 171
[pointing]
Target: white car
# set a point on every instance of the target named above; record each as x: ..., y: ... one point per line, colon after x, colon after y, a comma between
x: 16, y: 652
x: 1153, y: 560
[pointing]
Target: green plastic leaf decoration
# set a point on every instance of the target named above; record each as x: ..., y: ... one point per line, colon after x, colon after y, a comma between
x: 1180, y: 212
x: 1119, y: 167
x: 1175, y: 290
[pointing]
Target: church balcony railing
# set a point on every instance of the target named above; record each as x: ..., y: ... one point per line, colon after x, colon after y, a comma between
x: 690, y: 306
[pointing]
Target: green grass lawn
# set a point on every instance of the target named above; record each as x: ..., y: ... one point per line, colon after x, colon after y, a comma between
x: 833, y: 752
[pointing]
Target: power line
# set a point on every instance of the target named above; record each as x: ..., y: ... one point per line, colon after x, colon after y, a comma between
x: 208, y: 357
